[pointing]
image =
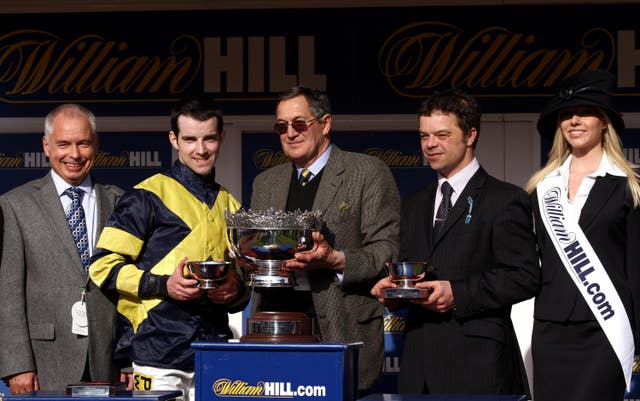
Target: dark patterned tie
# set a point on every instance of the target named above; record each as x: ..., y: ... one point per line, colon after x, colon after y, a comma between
x: 78, y: 225
x: 445, y: 206
x: 305, y: 174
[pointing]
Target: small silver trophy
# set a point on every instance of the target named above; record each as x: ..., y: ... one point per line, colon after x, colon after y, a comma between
x: 404, y: 274
x: 209, y: 273
x: 263, y: 240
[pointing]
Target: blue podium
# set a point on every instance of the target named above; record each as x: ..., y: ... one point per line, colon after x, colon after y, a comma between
x: 315, y: 371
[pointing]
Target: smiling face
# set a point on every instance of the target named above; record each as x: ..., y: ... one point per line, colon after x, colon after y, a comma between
x: 304, y: 147
x: 197, y: 143
x: 444, y: 144
x: 582, y: 127
x: 71, y: 147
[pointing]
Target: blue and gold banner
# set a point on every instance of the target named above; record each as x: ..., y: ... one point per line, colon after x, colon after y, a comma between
x: 383, y: 64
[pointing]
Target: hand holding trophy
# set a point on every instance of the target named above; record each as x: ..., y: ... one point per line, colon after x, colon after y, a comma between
x: 404, y: 274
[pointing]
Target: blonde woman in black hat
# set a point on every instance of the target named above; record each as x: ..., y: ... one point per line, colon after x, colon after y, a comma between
x: 585, y: 203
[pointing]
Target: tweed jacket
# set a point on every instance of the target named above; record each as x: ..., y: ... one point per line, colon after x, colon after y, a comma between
x: 360, y: 206
x: 42, y: 276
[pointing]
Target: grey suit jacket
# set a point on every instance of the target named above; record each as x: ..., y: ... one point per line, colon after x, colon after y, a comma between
x: 360, y: 207
x: 41, y: 277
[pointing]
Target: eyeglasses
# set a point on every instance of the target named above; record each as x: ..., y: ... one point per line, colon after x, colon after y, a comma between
x: 298, y: 125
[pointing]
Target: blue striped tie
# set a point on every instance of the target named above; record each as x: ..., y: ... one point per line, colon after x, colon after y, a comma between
x: 78, y: 225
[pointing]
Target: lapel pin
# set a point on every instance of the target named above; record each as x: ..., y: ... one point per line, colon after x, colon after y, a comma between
x: 467, y: 218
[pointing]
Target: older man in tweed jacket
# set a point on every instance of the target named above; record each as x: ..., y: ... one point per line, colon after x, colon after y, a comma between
x: 359, y: 202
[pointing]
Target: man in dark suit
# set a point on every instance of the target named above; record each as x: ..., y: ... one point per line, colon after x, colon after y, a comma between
x: 360, y: 207
x: 56, y: 328
x: 481, y: 248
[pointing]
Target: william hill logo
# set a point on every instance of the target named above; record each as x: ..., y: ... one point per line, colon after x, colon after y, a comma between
x: 238, y: 388
x: 265, y: 389
x: 126, y: 159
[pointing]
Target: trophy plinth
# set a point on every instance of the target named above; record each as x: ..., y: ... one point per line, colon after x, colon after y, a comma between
x: 404, y: 274
x: 276, y: 327
x: 209, y: 273
x: 263, y: 241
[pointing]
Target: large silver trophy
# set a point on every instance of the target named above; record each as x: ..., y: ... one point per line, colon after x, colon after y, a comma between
x: 263, y: 240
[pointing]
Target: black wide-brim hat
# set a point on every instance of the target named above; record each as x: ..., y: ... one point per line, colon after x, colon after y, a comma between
x: 592, y: 88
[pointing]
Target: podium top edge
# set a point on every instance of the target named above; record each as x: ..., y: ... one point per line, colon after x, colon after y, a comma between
x: 254, y: 346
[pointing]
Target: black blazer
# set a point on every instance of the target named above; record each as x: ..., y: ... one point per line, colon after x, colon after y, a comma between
x: 612, y: 226
x: 487, y: 252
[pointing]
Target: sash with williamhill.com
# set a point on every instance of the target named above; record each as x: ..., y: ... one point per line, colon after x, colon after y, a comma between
x: 580, y: 260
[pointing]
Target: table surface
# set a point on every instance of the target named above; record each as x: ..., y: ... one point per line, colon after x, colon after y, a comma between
x: 120, y: 396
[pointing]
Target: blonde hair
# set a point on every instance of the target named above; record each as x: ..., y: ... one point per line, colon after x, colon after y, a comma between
x: 560, y: 150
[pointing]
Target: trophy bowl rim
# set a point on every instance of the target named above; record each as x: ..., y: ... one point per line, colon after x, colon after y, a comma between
x: 216, y: 273
x: 392, y: 268
x: 208, y: 262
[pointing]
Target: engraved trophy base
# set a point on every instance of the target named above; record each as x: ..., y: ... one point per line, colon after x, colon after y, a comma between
x: 269, y: 273
x: 277, y: 327
x: 267, y: 281
x: 406, y: 293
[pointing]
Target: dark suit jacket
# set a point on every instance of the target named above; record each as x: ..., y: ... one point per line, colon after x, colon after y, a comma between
x: 491, y: 263
x: 360, y: 207
x: 612, y: 226
x: 42, y: 275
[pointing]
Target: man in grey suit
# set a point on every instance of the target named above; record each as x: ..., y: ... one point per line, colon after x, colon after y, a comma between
x: 56, y: 327
x: 477, y: 235
x: 360, y: 207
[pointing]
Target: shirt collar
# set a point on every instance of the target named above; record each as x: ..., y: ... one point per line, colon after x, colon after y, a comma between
x: 460, y: 179
x: 605, y: 167
x: 61, y: 185
x: 204, y: 188
x: 317, y: 166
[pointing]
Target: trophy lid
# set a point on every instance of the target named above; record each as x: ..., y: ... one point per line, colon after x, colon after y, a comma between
x: 273, y: 219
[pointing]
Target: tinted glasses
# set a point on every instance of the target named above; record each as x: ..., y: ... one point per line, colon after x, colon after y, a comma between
x: 282, y: 127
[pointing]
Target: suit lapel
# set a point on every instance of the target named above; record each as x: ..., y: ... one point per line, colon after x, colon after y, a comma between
x: 279, y: 191
x: 331, y: 180
x: 48, y: 199
x: 462, y: 206
x: 602, y: 190
x: 104, y: 201
x: 429, y: 203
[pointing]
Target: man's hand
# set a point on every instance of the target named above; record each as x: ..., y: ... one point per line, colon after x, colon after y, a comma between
x: 440, y: 298
x: 127, y: 379
x: 225, y: 292
x: 377, y: 291
x: 181, y: 288
x: 321, y: 256
x: 23, y: 382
